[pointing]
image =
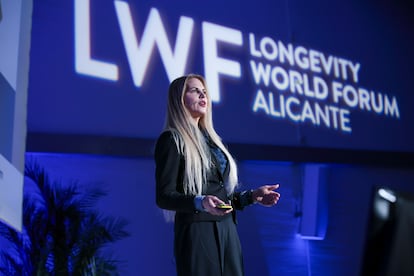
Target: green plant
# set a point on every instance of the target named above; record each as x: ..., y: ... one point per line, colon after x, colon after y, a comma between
x: 62, y: 233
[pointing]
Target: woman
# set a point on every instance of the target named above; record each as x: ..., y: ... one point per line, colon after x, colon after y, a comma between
x: 196, y: 177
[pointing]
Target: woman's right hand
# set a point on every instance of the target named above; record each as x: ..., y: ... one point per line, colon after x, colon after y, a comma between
x: 210, y: 204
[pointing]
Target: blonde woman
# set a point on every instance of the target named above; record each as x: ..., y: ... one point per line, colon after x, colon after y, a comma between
x: 196, y: 177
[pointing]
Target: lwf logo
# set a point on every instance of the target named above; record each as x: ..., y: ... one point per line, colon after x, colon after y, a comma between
x: 154, y: 36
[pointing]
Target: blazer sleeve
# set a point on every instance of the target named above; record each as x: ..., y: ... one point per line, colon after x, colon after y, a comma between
x: 169, y: 170
x: 242, y: 199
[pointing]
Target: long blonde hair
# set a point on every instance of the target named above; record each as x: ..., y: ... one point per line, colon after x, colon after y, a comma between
x: 190, y: 140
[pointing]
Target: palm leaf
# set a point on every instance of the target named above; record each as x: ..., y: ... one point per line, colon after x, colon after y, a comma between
x: 62, y: 233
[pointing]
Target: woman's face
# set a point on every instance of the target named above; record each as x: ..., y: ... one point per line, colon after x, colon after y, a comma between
x: 195, y: 98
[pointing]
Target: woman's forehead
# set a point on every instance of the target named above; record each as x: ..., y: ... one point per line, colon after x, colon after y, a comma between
x: 195, y: 82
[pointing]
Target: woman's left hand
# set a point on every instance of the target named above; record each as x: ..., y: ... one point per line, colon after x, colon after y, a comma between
x: 266, y: 196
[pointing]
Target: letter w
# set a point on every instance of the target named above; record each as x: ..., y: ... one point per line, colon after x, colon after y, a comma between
x: 154, y: 33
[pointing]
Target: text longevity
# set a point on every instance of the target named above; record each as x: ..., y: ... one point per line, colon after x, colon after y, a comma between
x: 308, y: 86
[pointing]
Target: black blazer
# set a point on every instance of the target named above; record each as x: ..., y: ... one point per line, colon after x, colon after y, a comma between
x: 169, y: 183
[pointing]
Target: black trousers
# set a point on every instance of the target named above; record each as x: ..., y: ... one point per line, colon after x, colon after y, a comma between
x: 210, y: 248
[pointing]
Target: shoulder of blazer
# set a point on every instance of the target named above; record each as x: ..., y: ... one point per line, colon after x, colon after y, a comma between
x: 166, y: 145
x: 166, y: 138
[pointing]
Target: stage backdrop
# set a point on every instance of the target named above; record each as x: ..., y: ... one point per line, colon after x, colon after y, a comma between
x: 285, y: 73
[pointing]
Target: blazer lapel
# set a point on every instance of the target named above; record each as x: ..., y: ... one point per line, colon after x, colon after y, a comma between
x: 216, y: 165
